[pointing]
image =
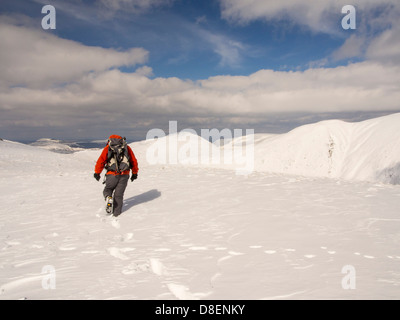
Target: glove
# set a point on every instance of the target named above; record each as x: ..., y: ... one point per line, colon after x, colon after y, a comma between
x: 134, y: 177
x: 97, y: 176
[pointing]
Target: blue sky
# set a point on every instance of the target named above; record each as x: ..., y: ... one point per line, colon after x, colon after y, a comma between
x: 209, y: 63
x: 178, y: 37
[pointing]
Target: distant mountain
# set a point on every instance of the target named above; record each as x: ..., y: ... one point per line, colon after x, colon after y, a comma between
x: 55, y: 146
x: 61, y: 146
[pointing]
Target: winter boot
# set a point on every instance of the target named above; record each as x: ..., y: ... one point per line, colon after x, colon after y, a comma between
x: 109, y: 205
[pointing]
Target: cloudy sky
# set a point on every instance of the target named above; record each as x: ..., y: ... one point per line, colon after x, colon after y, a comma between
x: 128, y: 66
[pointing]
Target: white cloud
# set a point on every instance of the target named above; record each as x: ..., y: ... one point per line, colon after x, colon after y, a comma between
x: 95, y: 93
x: 136, y: 6
x: 30, y: 57
x: 201, y: 20
x: 354, y: 46
x: 377, y: 37
x: 244, y: 11
x: 229, y: 51
x: 386, y: 47
x: 196, y: 37
x: 359, y: 87
x: 317, y: 15
x: 145, y: 71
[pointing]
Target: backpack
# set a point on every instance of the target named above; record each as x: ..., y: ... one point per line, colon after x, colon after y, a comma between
x: 118, y: 156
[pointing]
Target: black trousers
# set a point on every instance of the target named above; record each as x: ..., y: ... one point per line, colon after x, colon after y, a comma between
x: 117, y: 185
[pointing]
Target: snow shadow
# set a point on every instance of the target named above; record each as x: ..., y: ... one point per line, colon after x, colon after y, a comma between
x: 141, y: 198
x: 390, y: 175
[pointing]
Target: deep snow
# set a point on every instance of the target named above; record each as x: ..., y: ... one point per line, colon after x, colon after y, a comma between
x: 322, y: 197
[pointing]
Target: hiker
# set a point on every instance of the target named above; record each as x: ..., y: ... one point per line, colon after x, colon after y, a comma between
x: 117, y: 158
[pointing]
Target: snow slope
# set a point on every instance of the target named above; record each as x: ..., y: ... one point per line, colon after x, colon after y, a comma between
x: 203, y: 232
x: 368, y: 151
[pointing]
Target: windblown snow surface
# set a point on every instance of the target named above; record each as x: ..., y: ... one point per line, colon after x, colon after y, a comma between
x: 322, y: 198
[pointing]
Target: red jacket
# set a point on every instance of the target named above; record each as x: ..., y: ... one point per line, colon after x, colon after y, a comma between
x: 102, y: 161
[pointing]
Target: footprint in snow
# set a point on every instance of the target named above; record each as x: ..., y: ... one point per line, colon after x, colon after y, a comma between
x: 90, y: 252
x: 51, y: 235
x: 115, y: 223
x: 12, y: 243
x: 124, y: 238
x: 235, y: 253
x: 157, y: 267
x: 128, y: 237
x: 393, y: 257
x: 331, y: 252
x: 230, y: 256
x: 365, y: 256
x: 198, y: 248
x: 66, y: 248
x: 136, y: 268
x: 180, y: 292
x: 162, y: 250
x: 119, y: 253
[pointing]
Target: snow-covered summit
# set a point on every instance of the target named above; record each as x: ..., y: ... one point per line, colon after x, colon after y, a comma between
x: 368, y: 150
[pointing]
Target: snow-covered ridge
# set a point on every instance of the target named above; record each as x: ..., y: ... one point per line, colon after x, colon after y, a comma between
x: 364, y: 151
x: 368, y: 150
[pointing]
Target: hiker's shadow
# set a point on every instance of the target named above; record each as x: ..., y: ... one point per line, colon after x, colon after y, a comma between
x: 141, y: 198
